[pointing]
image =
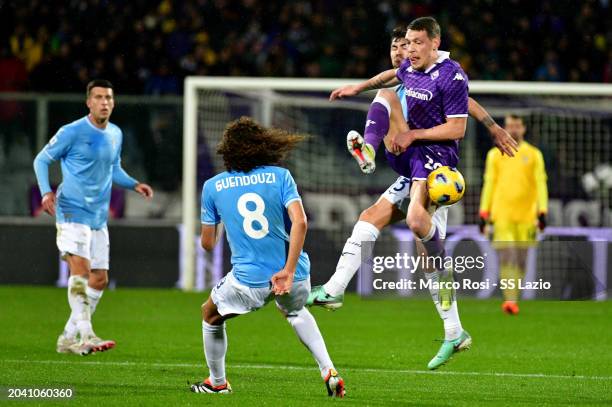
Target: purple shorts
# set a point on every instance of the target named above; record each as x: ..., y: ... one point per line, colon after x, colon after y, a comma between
x: 419, y: 160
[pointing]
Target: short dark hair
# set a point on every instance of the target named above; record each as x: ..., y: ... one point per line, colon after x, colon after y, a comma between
x: 428, y: 24
x: 398, y: 32
x: 98, y: 83
x: 247, y: 144
x: 515, y: 116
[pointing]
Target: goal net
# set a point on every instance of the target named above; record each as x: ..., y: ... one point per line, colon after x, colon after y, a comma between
x: 570, y: 123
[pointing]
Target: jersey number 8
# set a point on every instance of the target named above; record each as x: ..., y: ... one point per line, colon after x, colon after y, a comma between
x: 251, y: 216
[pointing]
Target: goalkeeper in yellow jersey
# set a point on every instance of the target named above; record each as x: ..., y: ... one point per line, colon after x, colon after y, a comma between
x: 514, y: 200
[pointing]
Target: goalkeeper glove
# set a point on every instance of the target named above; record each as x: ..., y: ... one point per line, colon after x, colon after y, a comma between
x: 482, y: 221
x: 542, y: 221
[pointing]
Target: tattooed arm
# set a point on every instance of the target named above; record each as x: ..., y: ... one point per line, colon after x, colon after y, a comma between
x: 500, y: 137
x: 384, y: 79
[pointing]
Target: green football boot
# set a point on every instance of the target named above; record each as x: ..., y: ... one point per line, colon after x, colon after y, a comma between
x: 318, y: 297
x: 448, y: 348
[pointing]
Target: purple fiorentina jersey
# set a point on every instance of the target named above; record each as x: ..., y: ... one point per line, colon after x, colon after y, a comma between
x: 432, y: 96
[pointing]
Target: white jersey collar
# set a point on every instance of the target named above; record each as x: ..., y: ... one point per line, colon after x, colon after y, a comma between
x: 88, y: 120
x: 442, y: 55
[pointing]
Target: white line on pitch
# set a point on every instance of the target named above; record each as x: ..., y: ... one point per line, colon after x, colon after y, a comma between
x: 289, y: 367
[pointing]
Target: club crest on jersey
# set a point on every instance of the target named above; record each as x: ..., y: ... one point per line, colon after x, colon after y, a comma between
x: 458, y: 77
x: 435, y: 75
x: 419, y: 93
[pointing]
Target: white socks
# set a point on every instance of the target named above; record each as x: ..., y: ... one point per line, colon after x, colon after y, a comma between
x: 307, y: 330
x: 215, y: 348
x: 93, y: 297
x: 70, y: 329
x: 302, y: 321
x: 79, y: 304
x: 350, y: 260
x: 452, y: 323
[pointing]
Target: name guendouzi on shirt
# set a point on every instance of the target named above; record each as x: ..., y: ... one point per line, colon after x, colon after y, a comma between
x: 244, y: 180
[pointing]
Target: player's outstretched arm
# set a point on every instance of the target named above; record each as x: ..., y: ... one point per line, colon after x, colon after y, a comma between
x: 501, y: 138
x: 384, y: 79
x: 283, y: 280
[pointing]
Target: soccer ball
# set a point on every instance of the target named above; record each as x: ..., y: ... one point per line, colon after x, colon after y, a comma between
x: 445, y: 185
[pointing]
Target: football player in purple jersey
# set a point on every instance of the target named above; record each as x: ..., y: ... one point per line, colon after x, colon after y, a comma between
x: 436, y: 95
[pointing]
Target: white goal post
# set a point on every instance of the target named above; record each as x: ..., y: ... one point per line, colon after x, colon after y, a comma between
x: 268, y: 86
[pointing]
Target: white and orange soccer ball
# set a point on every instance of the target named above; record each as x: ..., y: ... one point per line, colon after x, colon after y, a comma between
x: 446, y: 186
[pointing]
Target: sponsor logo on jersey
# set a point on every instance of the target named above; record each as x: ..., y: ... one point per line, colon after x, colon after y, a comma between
x: 419, y: 93
x: 370, y: 122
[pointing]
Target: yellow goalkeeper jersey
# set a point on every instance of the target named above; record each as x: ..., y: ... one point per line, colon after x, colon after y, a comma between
x: 514, y: 188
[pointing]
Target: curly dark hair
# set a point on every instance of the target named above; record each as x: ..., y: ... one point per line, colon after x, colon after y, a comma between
x: 247, y: 144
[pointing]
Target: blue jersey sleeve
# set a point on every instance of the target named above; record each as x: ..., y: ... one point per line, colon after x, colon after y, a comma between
x: 120, y: 176
x: 41, y: 169
x: 289, y: 192
x: 60, y: 144
x: 455, y: 94
x: 56, y: 148
x: 400, y: 90
x: 208, y: 213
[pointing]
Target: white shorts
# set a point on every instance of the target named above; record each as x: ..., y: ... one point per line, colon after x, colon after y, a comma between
x: 399, y: 192
x: 81, y: 240
x: 232, y: 297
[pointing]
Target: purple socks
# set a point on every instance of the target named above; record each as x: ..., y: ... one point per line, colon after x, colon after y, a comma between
x: 377, y: 123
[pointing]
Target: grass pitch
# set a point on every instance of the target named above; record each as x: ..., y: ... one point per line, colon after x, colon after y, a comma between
x: 553, y: 353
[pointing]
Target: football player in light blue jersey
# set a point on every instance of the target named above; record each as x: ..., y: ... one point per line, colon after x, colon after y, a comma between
x: 265, y: 223
x: 89, y: 151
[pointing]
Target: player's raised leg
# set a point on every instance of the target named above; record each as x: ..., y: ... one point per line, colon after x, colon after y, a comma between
x: 385, y: 116
x: 363, y: 149
x: 373, y: 219
x: 367, y: 229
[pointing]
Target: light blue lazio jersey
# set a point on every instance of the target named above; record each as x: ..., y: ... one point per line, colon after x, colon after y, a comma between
x: 400, y: 90
x: 90, y: 162
x: 253, y: 208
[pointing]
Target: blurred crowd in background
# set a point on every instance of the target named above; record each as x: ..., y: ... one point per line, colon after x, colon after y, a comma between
x: 146, y: 46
